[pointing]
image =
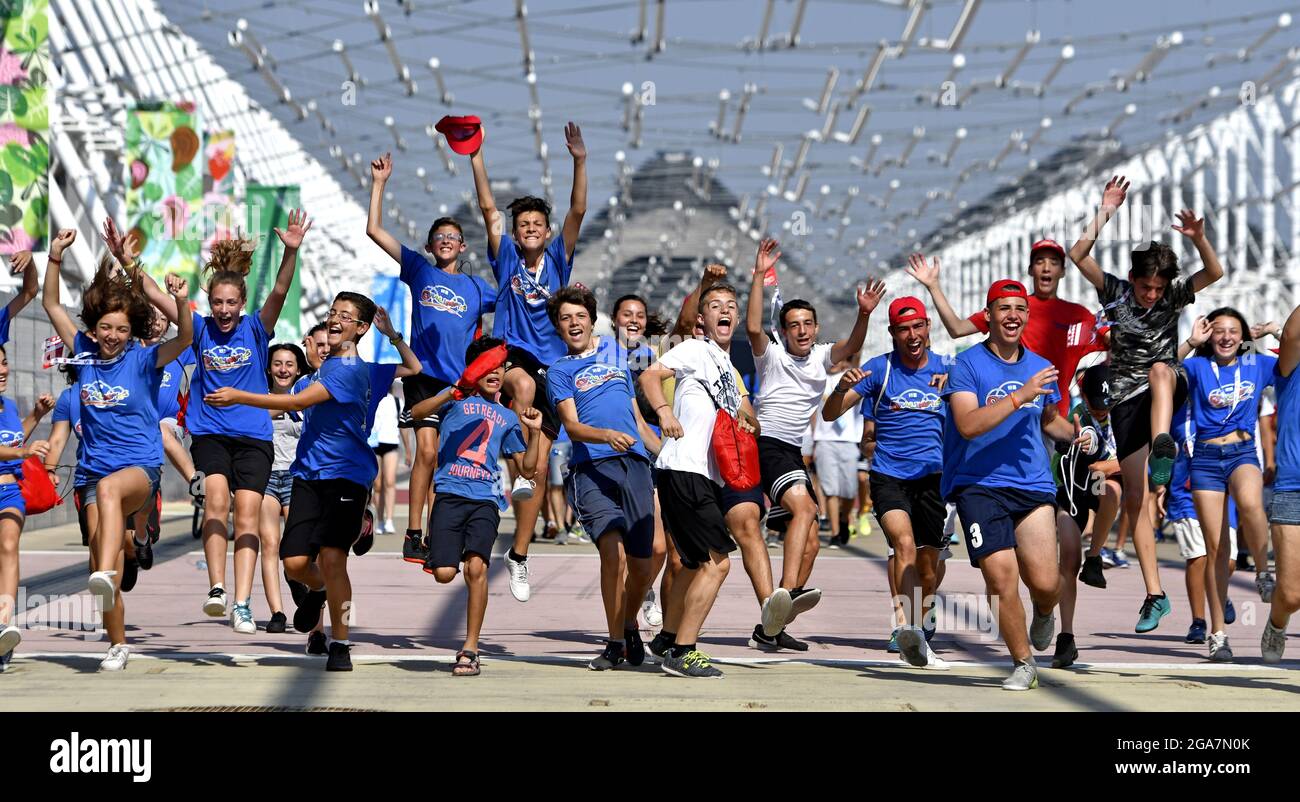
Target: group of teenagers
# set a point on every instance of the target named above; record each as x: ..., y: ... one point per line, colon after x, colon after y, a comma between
x: 281, y: 432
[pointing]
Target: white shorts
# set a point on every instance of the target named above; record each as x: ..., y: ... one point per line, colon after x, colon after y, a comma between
x: 1191, y: 540
x: 172, y: 426
x: 837, y: 468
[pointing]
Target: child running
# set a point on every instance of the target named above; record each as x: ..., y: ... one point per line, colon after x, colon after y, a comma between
x: 286, y: 365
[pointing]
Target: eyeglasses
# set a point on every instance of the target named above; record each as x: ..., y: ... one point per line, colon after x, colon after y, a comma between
x: 342, y: 316
x: 442, y: 237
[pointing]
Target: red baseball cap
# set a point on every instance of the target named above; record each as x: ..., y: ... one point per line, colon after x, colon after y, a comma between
x: 1006, y: 288
x: 464, y: 134
x: 1047, y: 245
x: 905, y: 310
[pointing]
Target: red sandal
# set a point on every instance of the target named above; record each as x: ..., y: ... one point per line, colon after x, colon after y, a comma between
x: 466, y: 669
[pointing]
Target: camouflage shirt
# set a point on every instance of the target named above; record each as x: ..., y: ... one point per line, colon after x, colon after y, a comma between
x: 1139, y: 337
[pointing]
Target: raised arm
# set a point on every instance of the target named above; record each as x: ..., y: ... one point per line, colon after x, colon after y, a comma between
x: 844, y: 397
x: 291, y: 236
x: 685, y: 325
x: 1200, y: 333
x: 1192, y: 227
x: 410, y: 362
x: 1289, y: 353
x: 123, y: 249
x: 769, y: 253
x: 1112, y: 197
x: 578, y: 195
x: 429, y: 406
x: 169, y: 351
x: 22, y: 264
x: 40, y: 409
x: 868, y: 299
x: 487, y: 205
x: 526, y: 465
x: 59, y: 318
x: 928, y: 275
x: 381, y: 170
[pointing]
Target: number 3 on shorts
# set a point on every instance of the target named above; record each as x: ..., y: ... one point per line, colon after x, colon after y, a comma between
x: 976, y: 536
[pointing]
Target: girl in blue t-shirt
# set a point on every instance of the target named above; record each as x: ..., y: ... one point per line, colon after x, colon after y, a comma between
x: 121, y: 458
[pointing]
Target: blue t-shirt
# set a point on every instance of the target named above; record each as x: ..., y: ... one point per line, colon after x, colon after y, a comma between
x: 1288, y: 434
x: 603, y: 395
x: 1179, y: 504
x: 909, y: 415
x: 333, y: 443
x: 237, y: 360
x: 11, y: 435
x: 446, y: 308
x: 169, y: 391
x: 611, y: 352
x: 4, y: 324
x: 1225, y: 399
x: 521, y: 318
x: 119, y: 410
x: 475, y: 434
x: 1012, y: 454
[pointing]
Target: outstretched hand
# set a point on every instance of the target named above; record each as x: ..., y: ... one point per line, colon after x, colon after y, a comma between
x: 927, y: 274
x: 20, y: 261
x: 1112, y: 197
x: 850, y: 379
x: 293, y: 233
x: 870, y: 295
x: 62, y: 241
x: 1190, y: 226
x: 177, y: 286
x: 1201, y: 330
x: 573, y: 138
x: 382, y: 168
x: 383, y: 323
x: 769, y: 253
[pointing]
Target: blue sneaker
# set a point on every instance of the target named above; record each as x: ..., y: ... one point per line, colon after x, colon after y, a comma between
x: 1120, y: 558
x: 1229, y: 612
x: 1153, y: 609
x: 1107, y: 558
x: 929, y: 633
x: 892, y: 648
x: 1196, y: 633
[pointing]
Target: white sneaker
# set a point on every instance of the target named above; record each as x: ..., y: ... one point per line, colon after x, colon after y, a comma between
x: 101, y: 587
x: 1220, y: 651
x: 518, y: 578
x: 650, y: 611
x: 776, y: 612
x: 116, y: 659
x: 912, y: 646
x: 215, y: 604
x: 10, y: 637
x: 523, y: 489
x: 1265, y: 584
x: 933, y: 661
x: 241, y: 619
x: 1273, y: 643
x: 389, y: 529
x: 562, y: 537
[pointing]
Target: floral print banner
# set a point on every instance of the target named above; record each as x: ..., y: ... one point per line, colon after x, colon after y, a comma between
x: 24, y: 125
x: 220, y: 211
x: 164, y: 195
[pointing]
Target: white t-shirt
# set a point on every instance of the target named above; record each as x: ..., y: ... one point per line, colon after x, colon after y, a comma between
x: 385, y: 429
x: 847, y: 428
x: 693, y: 362
x: 789, y: 390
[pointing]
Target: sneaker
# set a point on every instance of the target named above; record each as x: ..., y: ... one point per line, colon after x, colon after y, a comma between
x: 1092, y: 573
x: 215, y: 604
x: 911, y: 646
x: 1107, y: 558
x: 144, y: 554
x: 10, y: 637
x: 776, y: 612
x: 1163, y: 453
x: 414, y: 549
x: 785, y: 641
x: 1120, y: 558
x: 278, y: 624
x: 101, y: 587
x: 612, y: 656
x: 1229, y: 612
x: 934, y: 662
x: 389, y: 529
x: 823, y: 524
x: 340, y: 657
x: 562, y: 537
x: 297, y: 590
x: 1243, y: 562
x: 803, y: 601
x: 659, y: 646
x: 1220, y: 651
x: 518, y: 578
x: 1272, y: 644
x: 578, y: 535
x: 1041, y: 628
x: 1023, y: 678
x: 5, y: 660
x: 523, y: 489
x: 366, y: 539
x: 1265, y: 584
x: 1066, y: 651
x: 864, y: 524
x: 130, y: 573
x: 945, y: 553
x: 116, y: 659
x: 1153, y: 609
x: 241, y: 619
x: 929, y: 633
x: 892, y: 648
x: 1196, y: 632
x: 772, y: 541
x: 307, y: 616
x: 760, y: 640
x: 693, y: 664
x: 316, y: 644
x: 834, y: 542
x: 654, y: 617
x: 635, y: 651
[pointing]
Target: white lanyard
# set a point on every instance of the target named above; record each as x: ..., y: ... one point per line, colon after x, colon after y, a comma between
x: 1236, y: 386
x: 88, y: 358
x: 533, y: 280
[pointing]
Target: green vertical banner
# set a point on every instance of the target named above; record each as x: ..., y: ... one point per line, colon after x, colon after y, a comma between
x: 268, y: 208
x: 220, y: 213
x: 24, y: 125
x: 164, y: 195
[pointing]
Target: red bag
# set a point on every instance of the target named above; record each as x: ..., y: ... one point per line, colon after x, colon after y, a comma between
x: 734, y: 449
x: 38, y: 491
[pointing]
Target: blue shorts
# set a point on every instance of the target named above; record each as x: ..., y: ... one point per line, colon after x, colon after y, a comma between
x: 11, y: 496
x: 280, y: 487
x: 734, y: 498
x: 460, y: 526
x: 88, y: 485
x: 1213, y: 464
x: 989, y: 516
x: 1284, y: 510
x: 616, y: 494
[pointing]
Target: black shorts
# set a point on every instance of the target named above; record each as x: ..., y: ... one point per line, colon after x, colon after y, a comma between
x: 919, y: 498
x: 322, y: 512
x: 781, y: 467
x: 1130, y: 420
x: 384, y: 448
x: 244, y: 461
x: 517, y: 357
x: 691, y: 507
x: 460, y: 526
x: 989, y: 516
x: 414, y: 390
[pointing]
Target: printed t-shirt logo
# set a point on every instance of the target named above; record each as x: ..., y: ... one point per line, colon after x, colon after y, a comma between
x: 594, y: 375
x: 916, y: 400
x: 530, y: 291
x: 443, y: 299
x: 101, y: 394
x: 1223, y: 397
x: 225, y: 358
x: 1005, y: 389
x: 10, y: 439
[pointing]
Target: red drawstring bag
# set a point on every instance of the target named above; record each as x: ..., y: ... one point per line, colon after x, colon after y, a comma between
x: 734, y: 449
x: 38, y: 491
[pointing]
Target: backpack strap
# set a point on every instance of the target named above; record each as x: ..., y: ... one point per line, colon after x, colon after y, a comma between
x: 889, y: 364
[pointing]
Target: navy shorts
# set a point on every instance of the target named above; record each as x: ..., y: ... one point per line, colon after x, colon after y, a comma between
x: 989, y: 516
x: 734, y: 498
x: 460, y: 526
x: 1213, y: 464
x: 11, y: 496
x: 616, y: 494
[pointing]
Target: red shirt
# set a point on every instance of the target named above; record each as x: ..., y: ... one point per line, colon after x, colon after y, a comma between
x: 1059, y: 331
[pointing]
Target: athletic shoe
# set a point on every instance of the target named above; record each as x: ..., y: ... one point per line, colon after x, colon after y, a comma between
x: 1229, y: 612
x: 659, y: 646
x: 1153, y: 609
x: 911, y: 646
x: 934, y: 662
x: 864, y: 524
x: 562, y: 537
x: 1196, y: 632
x: 1023, y: 678
x: 5, y: 660
x: 823, y: 524
x: 635, y: 651
x: 215, y: 604
x: 118, y: 654
x: 693, y: 664
x: 241, y: 619
x: 1066, y: 651
x: 760, y: 640
x: 1092, y: 573
x: 1041, y: 628
x: 518, y: 578
x: 1107, y: 558
x: 945, y: 553
x: 316, y: 644
x: 929, y: 633
x: 101, y: 587
x: 1243, y: 562
x: 414, y: 549
x: 892, y: 648
x: 1265, y: 584
x: 1120, y: 558
x: 803, y: 601
x: 953, y: 539
x: 10, y: 637
x: 654, y: 617
x: 340, y: 657
x: 785, y: 641
x: 834, y: 542
x: 1163, y: 453
x: 297, y: 590
x: 130, y: 573
x: 307, y: 616
x: 389, y: 529
x: 612, y: 656
x: 144, y: 555
x: 1220, y: 651
x: 523, y: 489
x: 577, y: 534
x: 776, y: 612
x: 772, y: 541
x: 278, y: 624
x: 366, y: 539
x: 1272, y: 644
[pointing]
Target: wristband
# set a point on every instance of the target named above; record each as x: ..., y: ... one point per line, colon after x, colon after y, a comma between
x: 661, y: 406
x: 1016, y: 405
x: 55, y: 261
x: 396, y: 338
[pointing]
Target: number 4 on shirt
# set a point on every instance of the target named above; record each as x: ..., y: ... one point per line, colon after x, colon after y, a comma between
x: 477, y: 453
